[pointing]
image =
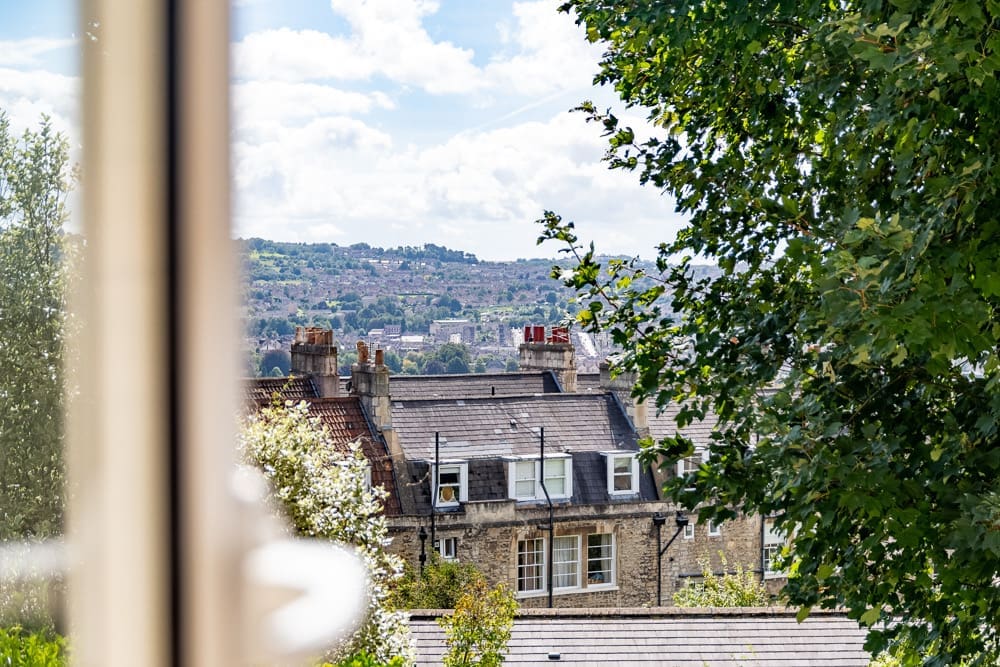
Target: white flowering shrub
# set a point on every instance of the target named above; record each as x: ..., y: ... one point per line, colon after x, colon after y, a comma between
x: 325, y: 494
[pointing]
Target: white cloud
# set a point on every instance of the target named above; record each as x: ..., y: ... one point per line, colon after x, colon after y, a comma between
x: 479, y: 191
x: 260, y: 104
x: 553, y: 54
x: 299, y: 55
x: 26, y: 95
x: 388, y: 39
x: 308, y: 168
x: 25, y: 52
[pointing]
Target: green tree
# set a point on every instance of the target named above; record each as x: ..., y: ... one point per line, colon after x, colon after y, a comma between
x: 325, y: 494
x: 837, y: 162
x: 35, y: 179
x: 439, y: 586
x: 730, y: 589
x: 478, y: 631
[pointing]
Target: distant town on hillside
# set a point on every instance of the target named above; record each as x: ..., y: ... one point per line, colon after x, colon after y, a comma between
x: 432, y: 309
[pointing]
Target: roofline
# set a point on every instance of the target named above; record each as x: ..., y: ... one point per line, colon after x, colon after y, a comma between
x: 549, y: 395
x: 646, y: 612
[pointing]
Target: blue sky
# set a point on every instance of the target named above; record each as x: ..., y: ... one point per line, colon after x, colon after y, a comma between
x: 392, y: 122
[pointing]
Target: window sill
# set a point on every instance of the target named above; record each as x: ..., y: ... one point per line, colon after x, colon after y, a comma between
x: 568, y: 591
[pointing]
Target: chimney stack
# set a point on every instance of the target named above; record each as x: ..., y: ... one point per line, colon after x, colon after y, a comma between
x: 370, y: 382
x: 553, y: 353
x: 314, y: 355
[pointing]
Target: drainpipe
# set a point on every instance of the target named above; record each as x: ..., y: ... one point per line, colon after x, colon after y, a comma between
x: 549, y: 501
x: 434, y: 482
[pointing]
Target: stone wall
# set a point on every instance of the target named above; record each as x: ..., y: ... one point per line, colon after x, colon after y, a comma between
x: 488, y: 533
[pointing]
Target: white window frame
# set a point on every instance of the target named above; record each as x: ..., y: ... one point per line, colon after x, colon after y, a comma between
x: 771, y: 545
x: 448, y: 548
x: 714, y: 529
x: 612, y: 558
x: 557, y: 561
x: 687, y: 465
x: 537, y: 548
x: 462, y: 467
x: 611, y: 458
x: 539, y: 494
x: 515, y: 467
x: 689, y: 530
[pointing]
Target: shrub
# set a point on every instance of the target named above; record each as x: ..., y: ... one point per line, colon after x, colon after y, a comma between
x: 739, y: 589
x: 439, y: 587
x: 478, y: 632
x: 22, y: 648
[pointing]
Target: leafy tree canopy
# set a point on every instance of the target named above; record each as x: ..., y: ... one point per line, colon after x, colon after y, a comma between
x: 35, y: 178
x: 837, y: 160
x: 479, y: 630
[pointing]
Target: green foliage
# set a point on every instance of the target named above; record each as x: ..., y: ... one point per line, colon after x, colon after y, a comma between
x: 324, y: 494
x: 21, y: 648
x: 34, y: 181
x: 479, y: 629
x: 731, y: 589
x: 365, y: 659
x: 837, y: 161
x: 439, y: 587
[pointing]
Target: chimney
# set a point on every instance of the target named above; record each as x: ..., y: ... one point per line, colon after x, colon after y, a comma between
x: 370, y: 382
x: 621, y: 386
x: 314, y: 355
x: 553, y: 353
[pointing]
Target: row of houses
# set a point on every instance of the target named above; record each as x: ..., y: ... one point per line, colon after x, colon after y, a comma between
x: 533, y: 476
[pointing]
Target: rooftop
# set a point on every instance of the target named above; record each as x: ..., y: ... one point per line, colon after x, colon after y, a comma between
x: 747, y: 637
x: 410, y: 387
x: 501, y: 426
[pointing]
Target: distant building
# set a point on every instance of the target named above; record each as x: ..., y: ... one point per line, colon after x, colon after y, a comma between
x: 445, y: 329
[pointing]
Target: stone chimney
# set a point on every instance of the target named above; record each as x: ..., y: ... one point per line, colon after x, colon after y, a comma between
x: 370, y: 383
x: 314, y: 355
x: 553, y: 353
x: 621, y: 386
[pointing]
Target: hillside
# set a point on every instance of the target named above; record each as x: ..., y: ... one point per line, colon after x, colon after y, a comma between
x: 360, y: 291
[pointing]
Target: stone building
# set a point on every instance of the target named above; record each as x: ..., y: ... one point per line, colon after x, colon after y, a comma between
x: 461, y: 456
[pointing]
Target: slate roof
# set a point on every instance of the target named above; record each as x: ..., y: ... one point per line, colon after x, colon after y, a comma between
x: 665, y: 425
x: 410, y: 387
x: 510, y: 426
x: 588, y: 383
x: 484, y: 431
x: 675, y: 637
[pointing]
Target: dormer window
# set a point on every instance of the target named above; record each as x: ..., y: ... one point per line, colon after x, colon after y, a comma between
x: 691, y: 464
x: 524, y: 478
x: 623, y: 473
x: 451, y: 485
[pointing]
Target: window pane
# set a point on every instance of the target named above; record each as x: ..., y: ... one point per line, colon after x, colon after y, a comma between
x: 555, y: 477
x: 566, y: 562
x: 622, y: 473
x: 623, y: 464
x: 600, y: 556
x: 524, y: 486
x: 531, y: 565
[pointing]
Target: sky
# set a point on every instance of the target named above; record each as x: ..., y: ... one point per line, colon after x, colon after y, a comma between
x: 391, y: 122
